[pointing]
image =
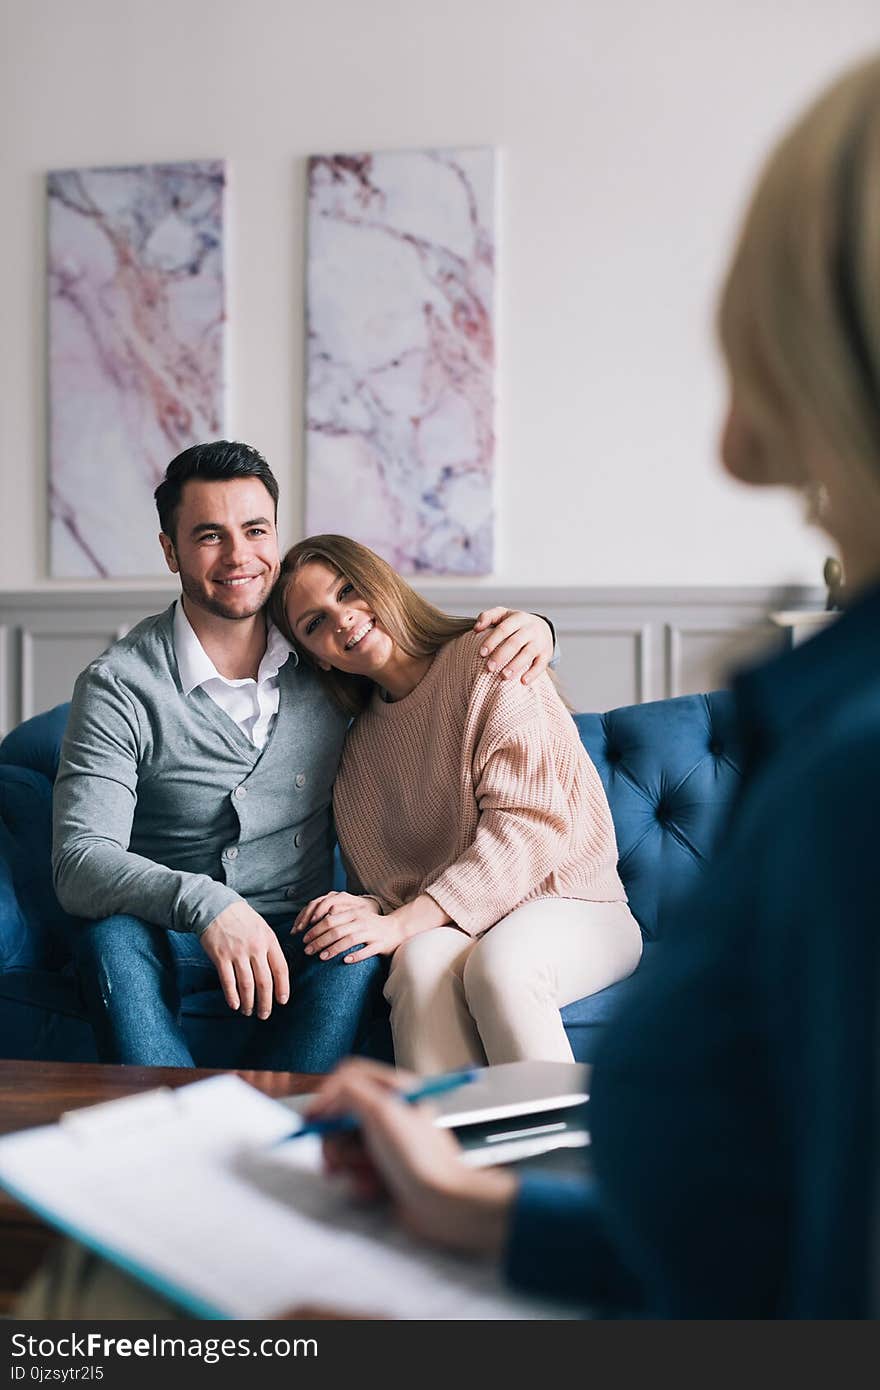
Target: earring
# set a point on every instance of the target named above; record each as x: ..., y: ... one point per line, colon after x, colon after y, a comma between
x: 816, y: 500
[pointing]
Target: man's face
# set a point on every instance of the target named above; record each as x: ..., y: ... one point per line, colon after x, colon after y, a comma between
x: 226, y: 546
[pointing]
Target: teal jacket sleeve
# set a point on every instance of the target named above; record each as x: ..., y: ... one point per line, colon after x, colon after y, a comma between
x: 558, y: 1246
x: 818, y: 962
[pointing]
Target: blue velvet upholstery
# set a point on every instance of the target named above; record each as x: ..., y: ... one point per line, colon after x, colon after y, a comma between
x: 670, y: 769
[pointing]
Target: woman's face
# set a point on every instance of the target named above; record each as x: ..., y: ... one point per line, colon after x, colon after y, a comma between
x: 330, y: 619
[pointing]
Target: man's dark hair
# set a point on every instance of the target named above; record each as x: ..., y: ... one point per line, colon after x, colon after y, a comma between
x: 216, y: 462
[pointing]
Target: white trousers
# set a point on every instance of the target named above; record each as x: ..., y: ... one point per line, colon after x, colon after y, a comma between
x: 458, y: 1001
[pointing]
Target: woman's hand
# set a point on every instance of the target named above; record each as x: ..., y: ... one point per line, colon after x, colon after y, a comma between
x: 400, y: 1153
x: 338, y: 922
x: 517, y: 645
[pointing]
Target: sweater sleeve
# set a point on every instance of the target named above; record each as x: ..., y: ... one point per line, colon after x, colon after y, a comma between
x: 94, y: 802
x: 524, y: 772
x: 559, y: 1246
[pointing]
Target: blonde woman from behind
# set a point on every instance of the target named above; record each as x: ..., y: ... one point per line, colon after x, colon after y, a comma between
x: 734, y: 1098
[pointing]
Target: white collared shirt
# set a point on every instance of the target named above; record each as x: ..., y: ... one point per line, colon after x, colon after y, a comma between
x: 251, y: 704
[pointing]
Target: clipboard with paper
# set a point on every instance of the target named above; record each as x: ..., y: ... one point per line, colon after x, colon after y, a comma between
x: 190, y: 1192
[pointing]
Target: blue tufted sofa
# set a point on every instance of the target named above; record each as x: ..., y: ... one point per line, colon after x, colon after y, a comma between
x: 670, y: 769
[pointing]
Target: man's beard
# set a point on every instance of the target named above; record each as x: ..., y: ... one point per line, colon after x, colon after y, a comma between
x: 198, y: 596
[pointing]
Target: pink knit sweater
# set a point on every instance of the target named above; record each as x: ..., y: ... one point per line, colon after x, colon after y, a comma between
x: 477, y: 791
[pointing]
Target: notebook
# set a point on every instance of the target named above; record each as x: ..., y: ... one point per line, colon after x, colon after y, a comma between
x: 512, y: 1112
x: 514, y: 1090
x: 517, y: 1111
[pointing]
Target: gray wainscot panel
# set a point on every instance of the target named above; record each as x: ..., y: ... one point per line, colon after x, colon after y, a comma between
x: 617, y: 646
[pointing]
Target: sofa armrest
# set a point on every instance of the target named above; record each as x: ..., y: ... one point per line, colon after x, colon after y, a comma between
x: 34, y: 931
x: 37, y: 742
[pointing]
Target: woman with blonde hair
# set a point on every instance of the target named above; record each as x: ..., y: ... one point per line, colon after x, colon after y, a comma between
x: 734, y: 1105
x: 470, y: 818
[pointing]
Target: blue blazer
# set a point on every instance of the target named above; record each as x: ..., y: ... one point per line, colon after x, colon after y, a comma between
x: 733, y: 1107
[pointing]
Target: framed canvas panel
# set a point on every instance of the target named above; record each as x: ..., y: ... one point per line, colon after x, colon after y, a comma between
x: 136, y: 352
x: 400, y: 430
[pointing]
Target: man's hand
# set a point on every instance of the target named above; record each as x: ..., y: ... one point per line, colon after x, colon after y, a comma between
x: 247, y: 957
x: 518, y: 645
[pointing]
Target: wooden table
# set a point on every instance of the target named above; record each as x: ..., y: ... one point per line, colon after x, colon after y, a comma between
x: 38, y: 1093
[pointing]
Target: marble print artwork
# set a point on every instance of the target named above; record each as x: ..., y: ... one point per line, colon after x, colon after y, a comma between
x: 136, y: 327
x: 400, y: 433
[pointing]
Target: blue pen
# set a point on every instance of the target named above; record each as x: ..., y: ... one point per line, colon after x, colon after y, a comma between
x: 345, y: 1124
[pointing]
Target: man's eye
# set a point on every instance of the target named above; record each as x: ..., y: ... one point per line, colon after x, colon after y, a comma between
x: 210, y: 536
x: 258, y: 531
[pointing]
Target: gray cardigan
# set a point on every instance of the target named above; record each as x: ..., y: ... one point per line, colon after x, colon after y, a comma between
x: 164, y: 809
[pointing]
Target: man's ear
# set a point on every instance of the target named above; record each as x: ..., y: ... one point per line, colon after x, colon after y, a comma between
x: 167, y: 545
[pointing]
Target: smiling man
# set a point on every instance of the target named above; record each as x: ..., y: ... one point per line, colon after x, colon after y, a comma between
x: 192, y: 813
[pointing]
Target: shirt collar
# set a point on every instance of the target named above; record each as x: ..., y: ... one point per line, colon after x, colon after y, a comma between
x: 195, y: 667
x: 777, y: 698
x: 278, y: 649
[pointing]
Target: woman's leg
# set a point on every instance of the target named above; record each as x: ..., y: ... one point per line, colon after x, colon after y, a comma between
x: 544, y: 955
x: 430, y: 1022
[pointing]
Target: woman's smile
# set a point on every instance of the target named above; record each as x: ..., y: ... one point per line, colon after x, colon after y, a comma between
x: 361, y: 632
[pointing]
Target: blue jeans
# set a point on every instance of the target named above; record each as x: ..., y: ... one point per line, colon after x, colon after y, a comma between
x: 128, y: 975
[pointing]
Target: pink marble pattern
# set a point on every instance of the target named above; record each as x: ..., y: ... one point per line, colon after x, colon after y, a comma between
x: 400, y: 434
x: 136, y: 352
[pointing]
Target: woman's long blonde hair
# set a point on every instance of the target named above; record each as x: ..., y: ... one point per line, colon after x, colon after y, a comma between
x: 799, y: 315
x: 418, y: 628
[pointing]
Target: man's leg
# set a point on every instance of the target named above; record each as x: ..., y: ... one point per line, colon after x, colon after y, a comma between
x: 330, y: 1006
x: 128, y: 978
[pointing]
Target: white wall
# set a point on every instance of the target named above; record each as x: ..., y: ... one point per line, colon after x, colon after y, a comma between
x: 630, y: 133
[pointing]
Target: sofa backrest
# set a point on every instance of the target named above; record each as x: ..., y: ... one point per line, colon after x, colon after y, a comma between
x: 670, y: 768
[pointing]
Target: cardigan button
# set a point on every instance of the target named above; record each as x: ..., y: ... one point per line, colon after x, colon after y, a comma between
x: 240, y: 793
x: 300, y: 779
x: 298, y: 839
x: 231, y: 853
